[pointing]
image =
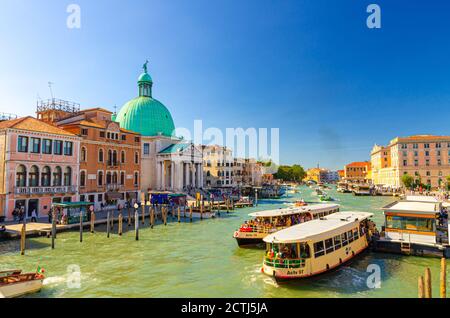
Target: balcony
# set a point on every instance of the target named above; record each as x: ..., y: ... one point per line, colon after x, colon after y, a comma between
x: 114, y: 187
x: 45, y: 190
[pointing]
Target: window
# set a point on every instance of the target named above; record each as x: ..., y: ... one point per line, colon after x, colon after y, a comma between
x: 122, y: 157
x: 319, y: 249
x: 416, y: 153
x: 22, y: 145
x: 427, y: 153
x: 57, y: 147
x: 114, y: 178
x: 416, y: 162
x: 350, y: 236
x: 439, y: 162
x: 415, y: 146
x: 428, y: 173
x: 100, y: 178
x: 33, y: 180
x: 404, y: 146
x: 438, y: 153
x: 329, y: 247
x: 426, y: 146
x: 21, y: 176
x: 47, y: 146
x: 136, y: 157
x: 427, y: 162
x: 136, y: 178
x: 405, y: 163
x: 344, y: 239
x: 68, y: 148
x: 36, y: 145
x: 137, y: 139
x: 124, y: 137
x: 68, y: 176
x: 122, y: 178
x: 83, y: 154
x: 57, y: 177
x: 82, y: 178
x: 84, y: 132
x: 337, y: 242
x: 355, y: 234
x: 102, y: 134
x: 438, y: 145
x: 100, y: 155
x: 46, y: 177
x: 108, y: 178
x: 146, y: 149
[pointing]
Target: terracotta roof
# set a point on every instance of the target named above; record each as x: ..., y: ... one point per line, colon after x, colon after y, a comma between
x: 359, y: 164
x: 33, y: 124
x: 95, y: 109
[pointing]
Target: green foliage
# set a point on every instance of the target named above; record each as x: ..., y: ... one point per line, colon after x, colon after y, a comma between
x: 408, y: 181
x: 290, y: 173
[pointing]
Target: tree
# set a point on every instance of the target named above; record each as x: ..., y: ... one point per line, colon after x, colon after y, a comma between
x: 407, y: 181
x: 290, y: 173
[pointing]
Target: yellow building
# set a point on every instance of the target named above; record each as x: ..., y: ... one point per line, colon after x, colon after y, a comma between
x: 425, y: 157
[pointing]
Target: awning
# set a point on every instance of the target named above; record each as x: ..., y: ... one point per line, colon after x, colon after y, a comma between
x: 113, y: 195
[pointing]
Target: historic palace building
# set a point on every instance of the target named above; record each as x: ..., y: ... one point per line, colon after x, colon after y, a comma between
x: 424, y: 157
x: 167, y: 162
x: 38, y: 166
x: 218, y: 165
x: 110, y: 156
x: 358, y: 172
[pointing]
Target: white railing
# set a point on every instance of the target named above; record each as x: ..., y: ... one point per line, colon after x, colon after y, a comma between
x: 45, y: 190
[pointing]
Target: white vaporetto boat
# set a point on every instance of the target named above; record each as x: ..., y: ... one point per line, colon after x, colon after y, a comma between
x: 317, y: 246
x: 14, y: 283
x: 264, y: 223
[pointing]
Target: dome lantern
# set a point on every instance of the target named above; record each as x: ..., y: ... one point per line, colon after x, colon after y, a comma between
x: 145, y: 83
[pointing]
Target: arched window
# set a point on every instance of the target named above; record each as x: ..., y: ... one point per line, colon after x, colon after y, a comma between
x: 57, y: 177
x: 114, y: 159
x: 83, y: 154
x: 122, y: 178
x: 122, y: 157
x: 82, y: 178
x: 208, y: 174
x: 68, y: 176
x: 21, y: 176
x: 109, y: 157
x: 108, y: 177
x: 46, y: 176
x: 136, y: 157
x: 33, y: 177
x: 136, y: 178
x: 100, y: 155
x: 114, y: 178
x: 100, y: 178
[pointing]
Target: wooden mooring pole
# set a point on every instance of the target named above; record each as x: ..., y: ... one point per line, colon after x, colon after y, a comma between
x: 136, y: 225
x: 108, y: 228
x: 443, y: 285
x: 23, y: 234
x: 120, y: 224
x: 165, y: 215
x: 428, y: 289
x: 92, y: 221
x: 129, y: 217
x: 143, y: 214
x: 421, y: 287
x: 190, y: 213
x: 53, y: 230
x: 81, y: 227
x: 152, y: 217
x: 179, y: 214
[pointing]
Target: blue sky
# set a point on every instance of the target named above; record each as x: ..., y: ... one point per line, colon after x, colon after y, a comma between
x: 311, y: 68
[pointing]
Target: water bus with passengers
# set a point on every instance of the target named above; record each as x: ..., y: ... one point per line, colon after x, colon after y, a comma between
x: 417, y: 225
x: 266, y: 222
x: 318, y: 246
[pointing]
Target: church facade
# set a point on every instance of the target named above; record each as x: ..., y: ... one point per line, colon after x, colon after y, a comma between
x: 168, y: 162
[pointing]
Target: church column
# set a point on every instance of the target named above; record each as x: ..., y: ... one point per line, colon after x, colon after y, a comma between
x: 192, y: 174
x: 179, y: 176
x: 186, y: 174
x: 172, y: 175
x: 199, y: 175
x: 158, y: 175
x: 200, y: 165
x: 163, y: 173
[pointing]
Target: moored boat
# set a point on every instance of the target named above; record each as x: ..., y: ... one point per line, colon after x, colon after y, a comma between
x: 415, y: 226
x: 14, y: 283
x: 318, y: 246
x: 264, y: 223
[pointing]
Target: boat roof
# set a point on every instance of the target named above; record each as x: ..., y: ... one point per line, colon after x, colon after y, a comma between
x: 413, y: 207
x: 313, y: 209
x: 421, y: 198
x: 319, y: 229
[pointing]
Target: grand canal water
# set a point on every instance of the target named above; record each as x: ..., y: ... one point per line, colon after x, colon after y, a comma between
x: 201, y: 259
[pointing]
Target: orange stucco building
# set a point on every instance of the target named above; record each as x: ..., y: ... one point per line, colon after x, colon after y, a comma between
x: 110, y: 156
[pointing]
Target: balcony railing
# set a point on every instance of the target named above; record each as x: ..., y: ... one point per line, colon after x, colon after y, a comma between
x: 114, y: 186
x: 285, y: 263
x: 45, y: 190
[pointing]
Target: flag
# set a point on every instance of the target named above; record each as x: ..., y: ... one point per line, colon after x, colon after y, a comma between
x: 40, y: 270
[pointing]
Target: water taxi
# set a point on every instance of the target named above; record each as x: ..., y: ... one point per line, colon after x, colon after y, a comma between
x: 266, y: 222
x: 14, y: 283
x: 316, y: 247
x: 416, y: 226
x: 343, y: 187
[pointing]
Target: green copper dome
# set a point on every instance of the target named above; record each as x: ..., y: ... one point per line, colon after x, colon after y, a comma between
x: 144, y: 114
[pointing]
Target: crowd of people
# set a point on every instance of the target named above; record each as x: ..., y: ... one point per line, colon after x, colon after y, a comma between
x: 276, y: 223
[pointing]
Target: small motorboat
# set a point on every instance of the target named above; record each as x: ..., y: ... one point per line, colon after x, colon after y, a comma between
x: 14, y: 283
x: 326, y: 198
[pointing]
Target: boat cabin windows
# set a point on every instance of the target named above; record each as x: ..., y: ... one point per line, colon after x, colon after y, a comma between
x: 337, y: 242
x: 350, y: 236
x: 288, y: 251
x: 329, y: 246
x: 410, y: 223
x: 344, y: 239
x: 319, y: 249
